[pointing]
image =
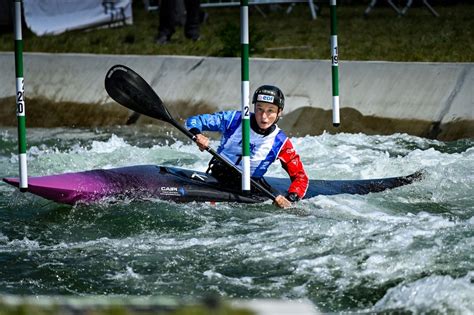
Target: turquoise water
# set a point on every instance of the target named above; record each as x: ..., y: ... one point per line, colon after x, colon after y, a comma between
x: 410, y: 249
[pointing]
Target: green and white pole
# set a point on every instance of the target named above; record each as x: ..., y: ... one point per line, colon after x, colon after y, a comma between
x: 334, y: 65
x: 20, y: 97
x: 245, y: 93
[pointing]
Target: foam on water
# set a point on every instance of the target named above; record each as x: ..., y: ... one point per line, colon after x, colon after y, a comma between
x: 433, y: 294
x: 125, y: 275
x: 114, y: 152
x: 409, y: 249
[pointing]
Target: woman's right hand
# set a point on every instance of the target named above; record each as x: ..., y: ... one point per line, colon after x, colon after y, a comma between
x: 202, y: 142
x: 282, y: 202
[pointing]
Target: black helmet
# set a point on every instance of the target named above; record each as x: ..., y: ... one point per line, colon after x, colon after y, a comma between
x: 269, y: 94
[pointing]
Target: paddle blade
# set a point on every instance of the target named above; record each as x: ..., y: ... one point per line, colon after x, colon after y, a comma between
x: 129, y: 89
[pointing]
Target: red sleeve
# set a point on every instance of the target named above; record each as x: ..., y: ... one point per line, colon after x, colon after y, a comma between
x: 291, y: 162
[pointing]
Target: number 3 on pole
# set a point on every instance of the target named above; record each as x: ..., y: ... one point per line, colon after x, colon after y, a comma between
x: 334, y: 56
x: 334, y: 66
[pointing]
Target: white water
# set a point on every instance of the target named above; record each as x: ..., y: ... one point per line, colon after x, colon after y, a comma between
x: 413, y: 246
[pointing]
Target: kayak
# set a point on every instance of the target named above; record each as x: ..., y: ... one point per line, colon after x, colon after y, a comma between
x: 180, y: 185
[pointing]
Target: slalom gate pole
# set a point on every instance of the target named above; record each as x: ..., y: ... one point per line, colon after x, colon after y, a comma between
x: 334, y: 66
x: 245, y: 93
x: 20, y: 97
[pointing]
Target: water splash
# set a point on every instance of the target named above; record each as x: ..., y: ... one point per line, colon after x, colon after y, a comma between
x: 408, y: 249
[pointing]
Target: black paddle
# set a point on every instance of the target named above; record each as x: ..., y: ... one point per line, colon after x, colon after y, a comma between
x: 129, y: 89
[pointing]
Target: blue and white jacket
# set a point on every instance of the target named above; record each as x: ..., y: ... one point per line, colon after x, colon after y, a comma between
x: 264, y: 149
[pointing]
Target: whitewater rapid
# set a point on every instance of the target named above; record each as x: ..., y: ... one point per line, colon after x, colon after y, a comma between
x: 410, y: 248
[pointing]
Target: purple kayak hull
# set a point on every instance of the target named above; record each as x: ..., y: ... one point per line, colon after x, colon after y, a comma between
x: 88, y: 186
x: 180, y: 185
x: 135, y: 182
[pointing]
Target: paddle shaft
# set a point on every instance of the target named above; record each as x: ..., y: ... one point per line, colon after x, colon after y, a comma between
x: 129, y: 89
x: 220, y: 158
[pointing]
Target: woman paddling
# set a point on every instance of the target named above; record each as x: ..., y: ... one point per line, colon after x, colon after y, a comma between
x: 267, y: 143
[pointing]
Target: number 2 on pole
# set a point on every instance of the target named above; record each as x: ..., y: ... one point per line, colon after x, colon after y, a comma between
x: 246, y: 111
x: 20, y: 103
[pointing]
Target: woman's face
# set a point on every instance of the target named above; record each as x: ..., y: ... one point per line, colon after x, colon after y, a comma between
x: 266, y: 114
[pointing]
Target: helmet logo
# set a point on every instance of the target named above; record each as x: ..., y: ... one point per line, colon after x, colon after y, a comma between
x: 265, y: 98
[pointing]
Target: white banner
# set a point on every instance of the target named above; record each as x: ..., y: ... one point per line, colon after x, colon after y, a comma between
x: 52, y: 17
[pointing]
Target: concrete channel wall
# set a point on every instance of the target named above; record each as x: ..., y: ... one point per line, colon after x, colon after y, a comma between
x: 427, y: 99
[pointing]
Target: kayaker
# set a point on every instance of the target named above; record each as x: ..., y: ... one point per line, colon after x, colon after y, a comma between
x: 267, y: 143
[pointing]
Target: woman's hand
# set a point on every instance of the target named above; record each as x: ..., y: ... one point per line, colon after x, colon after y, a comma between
x: 282, y: 202
x: 202, y: 142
